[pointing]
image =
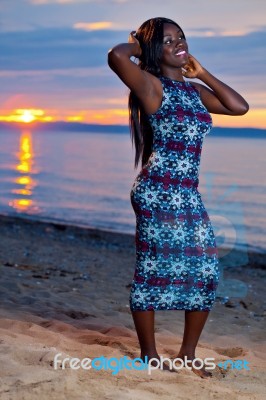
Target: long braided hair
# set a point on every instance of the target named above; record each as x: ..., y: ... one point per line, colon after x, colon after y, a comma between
x: 150, y: 37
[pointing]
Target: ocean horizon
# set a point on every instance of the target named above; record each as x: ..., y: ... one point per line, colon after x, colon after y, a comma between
x: 64, y: 126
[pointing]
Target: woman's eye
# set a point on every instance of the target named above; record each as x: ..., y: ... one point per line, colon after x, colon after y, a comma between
x: 169, y: 41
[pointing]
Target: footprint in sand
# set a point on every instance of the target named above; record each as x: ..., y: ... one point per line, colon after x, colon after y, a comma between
x: 78, y: 314
x: 231, y: 352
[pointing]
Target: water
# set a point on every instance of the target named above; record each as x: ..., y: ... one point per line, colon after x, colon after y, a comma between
x: 85, y: 179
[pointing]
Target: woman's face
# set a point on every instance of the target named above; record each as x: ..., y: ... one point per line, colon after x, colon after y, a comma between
x: 175, y: 48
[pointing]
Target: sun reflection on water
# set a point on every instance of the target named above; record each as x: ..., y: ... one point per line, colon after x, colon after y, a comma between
x: 25, y: 182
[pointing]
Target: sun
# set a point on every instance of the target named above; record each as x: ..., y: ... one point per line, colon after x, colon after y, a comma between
x: 27, y: 116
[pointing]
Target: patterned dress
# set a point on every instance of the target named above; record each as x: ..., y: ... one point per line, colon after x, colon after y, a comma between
x: 176, y: 252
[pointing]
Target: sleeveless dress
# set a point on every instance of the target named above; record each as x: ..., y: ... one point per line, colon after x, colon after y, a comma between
x: 176, y: 253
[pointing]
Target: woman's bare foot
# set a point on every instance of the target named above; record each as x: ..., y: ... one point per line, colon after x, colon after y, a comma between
x: 200, y: 370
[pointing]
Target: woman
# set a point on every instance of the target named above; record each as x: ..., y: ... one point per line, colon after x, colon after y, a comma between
x: 176, y: 253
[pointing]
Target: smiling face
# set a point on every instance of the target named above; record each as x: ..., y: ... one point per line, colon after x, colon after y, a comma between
x: 174, y: 51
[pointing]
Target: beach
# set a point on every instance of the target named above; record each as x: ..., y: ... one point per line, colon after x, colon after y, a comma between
x: 64, y: 289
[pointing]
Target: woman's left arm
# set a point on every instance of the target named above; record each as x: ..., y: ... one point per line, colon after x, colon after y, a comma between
x: 218, y: 97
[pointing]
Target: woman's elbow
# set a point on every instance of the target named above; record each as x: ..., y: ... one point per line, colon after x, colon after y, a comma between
x: 241, y: 109
x: 111, y: 57
x: 114, y: 58
x: 244, y: 109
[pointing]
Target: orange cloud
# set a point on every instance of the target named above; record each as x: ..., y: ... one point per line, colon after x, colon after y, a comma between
x: 75, y: 118
x: 116, y: 114
x: 93, y: 26
x: 255, y: 118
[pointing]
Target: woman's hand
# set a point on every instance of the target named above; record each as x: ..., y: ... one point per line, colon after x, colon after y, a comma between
x: 193, y: 68
x: 132, y: 39
x: 217, y: 97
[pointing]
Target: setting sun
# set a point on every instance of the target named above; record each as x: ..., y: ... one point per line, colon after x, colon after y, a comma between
x: 26, y: 116
x: 29, y: 115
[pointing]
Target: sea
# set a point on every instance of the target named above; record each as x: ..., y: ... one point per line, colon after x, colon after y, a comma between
x: 85, y: 178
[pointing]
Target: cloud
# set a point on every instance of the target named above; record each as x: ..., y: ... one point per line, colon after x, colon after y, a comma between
x: 94, y: 26
x: 211, y: 32
x: 67, y: 48
x: 71, y: 64
x: 76, y: 2
x: 41, y: 2
x: 25, y: 14
x: 55, y: 49
x: 78, y: 72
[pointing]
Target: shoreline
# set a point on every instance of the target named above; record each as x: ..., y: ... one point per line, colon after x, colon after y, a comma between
x: 258, y: 253
x: 64, y: 289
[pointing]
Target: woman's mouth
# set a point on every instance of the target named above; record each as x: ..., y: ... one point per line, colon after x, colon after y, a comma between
x: 180, y: 53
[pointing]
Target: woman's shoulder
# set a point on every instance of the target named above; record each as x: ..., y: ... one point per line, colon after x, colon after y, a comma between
x: 196, y: 86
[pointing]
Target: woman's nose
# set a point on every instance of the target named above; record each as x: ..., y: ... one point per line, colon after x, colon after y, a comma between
x: 178, y: 43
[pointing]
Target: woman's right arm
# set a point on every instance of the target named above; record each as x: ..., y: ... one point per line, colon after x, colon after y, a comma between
x: 144, y: 85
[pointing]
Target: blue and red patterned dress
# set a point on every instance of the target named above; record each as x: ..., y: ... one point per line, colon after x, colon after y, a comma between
x: 176, y: 252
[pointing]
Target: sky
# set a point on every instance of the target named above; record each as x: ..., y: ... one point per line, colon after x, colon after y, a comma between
x: 53, y: 58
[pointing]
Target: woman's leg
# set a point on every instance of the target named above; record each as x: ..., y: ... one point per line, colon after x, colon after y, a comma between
x: 144, y: 324
x: 194, y: 323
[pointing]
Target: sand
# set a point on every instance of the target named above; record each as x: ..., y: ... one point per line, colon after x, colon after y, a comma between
x: 65, y: 290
